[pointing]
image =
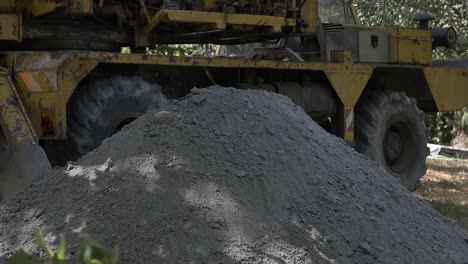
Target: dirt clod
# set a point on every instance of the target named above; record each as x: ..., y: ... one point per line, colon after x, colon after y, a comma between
x: 230, y: 176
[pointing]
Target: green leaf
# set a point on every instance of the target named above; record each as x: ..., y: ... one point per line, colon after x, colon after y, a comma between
x: 42, y: 244
x: 92, y: 251
x: 61, y: 251
x: 115, y: 254
x: 22, y: 257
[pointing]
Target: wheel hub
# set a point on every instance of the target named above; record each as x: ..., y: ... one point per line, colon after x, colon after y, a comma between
x: 393, y: 145
x: 398, y: 147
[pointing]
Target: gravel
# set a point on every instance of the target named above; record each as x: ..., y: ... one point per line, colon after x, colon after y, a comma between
x: 231, y: 176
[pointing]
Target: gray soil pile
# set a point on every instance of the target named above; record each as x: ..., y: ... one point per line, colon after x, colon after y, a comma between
x: 230, y: 176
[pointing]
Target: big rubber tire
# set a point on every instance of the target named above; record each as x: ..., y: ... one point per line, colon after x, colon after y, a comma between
x: 390, y: 130
x: 101, y: 107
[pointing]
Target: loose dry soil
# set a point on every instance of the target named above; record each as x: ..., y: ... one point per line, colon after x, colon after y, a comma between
x: 230, y: 176
x: 445, y: 187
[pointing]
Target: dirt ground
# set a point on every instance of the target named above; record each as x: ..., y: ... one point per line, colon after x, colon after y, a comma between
x: 461, y: 141
x: 445, y: 187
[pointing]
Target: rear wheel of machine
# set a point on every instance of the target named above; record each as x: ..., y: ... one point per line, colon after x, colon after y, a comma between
x: 101, y: 108
x: 390, y: 130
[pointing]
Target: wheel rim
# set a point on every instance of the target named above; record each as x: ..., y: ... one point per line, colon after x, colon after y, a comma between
x: 398, y: 147
x: 393, y: 145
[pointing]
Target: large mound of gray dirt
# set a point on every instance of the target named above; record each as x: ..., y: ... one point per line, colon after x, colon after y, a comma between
x: 230, y: 176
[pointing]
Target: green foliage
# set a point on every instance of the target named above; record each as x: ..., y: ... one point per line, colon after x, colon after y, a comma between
x: 91, y: 253
x: 448, y: 13
x: 58, y: 257
x: 94, y: 253
x: 463, y: 42
x: 442, y: 127
x: 22, y: 257
x: 464, y: 120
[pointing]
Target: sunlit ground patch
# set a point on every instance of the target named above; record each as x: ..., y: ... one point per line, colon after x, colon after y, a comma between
x: 445, y: 187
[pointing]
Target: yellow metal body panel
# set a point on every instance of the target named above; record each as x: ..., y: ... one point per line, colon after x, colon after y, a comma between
x: 449, y: 87
x: 349, y: 82
x: 10, y: 27
x: 348, y: 79
x: 219, y: 19
x: 69, y: 68
x: 410, y: 46
x: 208, y: 4
x: 407, y: 45
x: 45, y: 82
x: 38, y: 7
x: 310, y: 16
x: 13, y: 119
x: 27, y: 161
x: 38, y: 82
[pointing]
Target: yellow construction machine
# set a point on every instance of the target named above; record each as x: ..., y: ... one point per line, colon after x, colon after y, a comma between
x: 65, y: 86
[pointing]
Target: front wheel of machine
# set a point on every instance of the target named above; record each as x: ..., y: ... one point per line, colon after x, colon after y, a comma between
x: 102, y: 107
x: 390, y: 130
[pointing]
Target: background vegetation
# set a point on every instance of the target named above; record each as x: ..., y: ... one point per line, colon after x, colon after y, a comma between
x: 443, y: 128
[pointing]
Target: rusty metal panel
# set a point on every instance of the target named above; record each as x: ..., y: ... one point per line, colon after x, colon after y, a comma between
x: 38, y: 81
x: 10, y: 27
x: 13, y: 118
x: 219, y: 19
x: 30, y: 61
x: 46, y: 80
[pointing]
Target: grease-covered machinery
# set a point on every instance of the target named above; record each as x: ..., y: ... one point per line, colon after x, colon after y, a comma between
x: 103, y: 24
x: 65, y: 85
x: 108, y: 25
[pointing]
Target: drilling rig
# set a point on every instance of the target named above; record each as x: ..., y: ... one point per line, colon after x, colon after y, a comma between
x: 65, y: 85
